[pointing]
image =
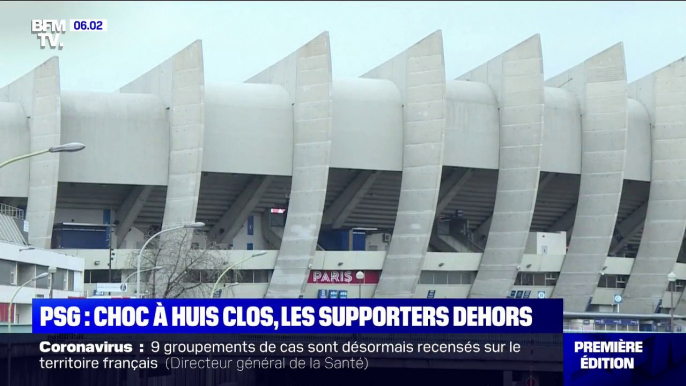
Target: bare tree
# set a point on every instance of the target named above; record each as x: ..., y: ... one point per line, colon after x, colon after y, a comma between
x: 184, y: 269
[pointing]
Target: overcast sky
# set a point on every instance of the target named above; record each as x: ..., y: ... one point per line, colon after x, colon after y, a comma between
x: 241, y: 39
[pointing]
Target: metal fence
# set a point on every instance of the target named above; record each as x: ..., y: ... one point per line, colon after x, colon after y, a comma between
x: 12, y: 211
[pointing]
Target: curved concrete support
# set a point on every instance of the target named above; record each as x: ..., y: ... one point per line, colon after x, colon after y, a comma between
x: 306, y: 75
x: 38, y: 93
x: 101, y: 120
x: 600, y: 85
x: 180, y: 83
x: 15, y: 134
x: 516, y: 78
x: 664, y: 95
x: 419, y: 73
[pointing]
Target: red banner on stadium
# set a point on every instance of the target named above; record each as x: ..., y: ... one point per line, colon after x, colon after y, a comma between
x: 343, y: 277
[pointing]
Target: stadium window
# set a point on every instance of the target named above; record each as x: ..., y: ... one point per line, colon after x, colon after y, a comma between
x: 440, y: 277
x: 524, y: 278
x: 44, y: 282
x: 8, y: 271
x: 426, y: 277
x: 468, y: 277
x: 192, y: 276
x: 94, y: 276
x: 245, y: 276
x: 612, y: 281
x: 60, y: 279
x: 261, y: 276
x: 70, y: 281
x: 551, y: 279
x: 536, y: 279
x: 446, y: 277
x: 116, y: 276
x: 455, y: 277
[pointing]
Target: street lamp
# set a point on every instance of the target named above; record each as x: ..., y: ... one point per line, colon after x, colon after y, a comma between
x: 66, y: 148
x: 672, y: 280
x: 193, y: 225
x: 143, y: 270
x: 214, y: 288
x: 360, y: 278
x: 9, y: 311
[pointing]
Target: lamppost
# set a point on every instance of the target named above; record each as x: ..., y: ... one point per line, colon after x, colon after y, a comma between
x: 142, y: 270
x: 360, y: 278
x: 66, y: 148
x: 672, y: 283
x: 214, y: 288
x: 193, y: 225
x: 10, y: 314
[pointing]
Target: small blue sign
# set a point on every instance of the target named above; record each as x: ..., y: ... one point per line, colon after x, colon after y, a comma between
x: 343, y: 294
x: 617, y: 298
x: 431, y: 294
x: 251, y: 225
x: 321, y: 294
x: 541, y: 295
x: 333, y: 294
x: 520, y: 294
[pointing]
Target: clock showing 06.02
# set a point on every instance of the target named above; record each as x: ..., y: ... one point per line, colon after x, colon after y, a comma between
x: 87, y: 25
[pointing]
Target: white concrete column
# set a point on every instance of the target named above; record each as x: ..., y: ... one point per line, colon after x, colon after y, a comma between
x: 180, y: 83
x: 600, y: 85
x: 664, y: 95
x: 419, y: 73
x: 306, y: 75
x: 516, y: 78
x: 38, y: 92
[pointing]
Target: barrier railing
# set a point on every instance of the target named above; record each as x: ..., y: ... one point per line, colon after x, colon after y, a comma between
x: 12, y: 211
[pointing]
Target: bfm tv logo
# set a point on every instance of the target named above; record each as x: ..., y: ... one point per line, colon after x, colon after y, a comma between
x: 49, y: 31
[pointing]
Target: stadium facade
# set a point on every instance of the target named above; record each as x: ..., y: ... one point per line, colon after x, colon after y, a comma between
x: 499, y: 183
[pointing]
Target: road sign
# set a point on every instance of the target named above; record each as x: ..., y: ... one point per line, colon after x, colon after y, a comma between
x: 617, y: 299
x: 527, y: 294
x: 541, y: 295
x: 217, y: 294
x: 431, y: 294
x: 111, y: 287
x: 342, y: 294
x: 321, y: 294
x: 531, y: 381
x: 333, y: 294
